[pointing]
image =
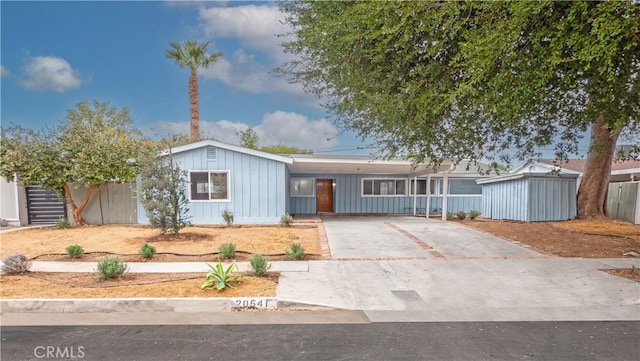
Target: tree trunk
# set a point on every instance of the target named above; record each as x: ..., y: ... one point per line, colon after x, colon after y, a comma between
x: 193, y: 102
x: 594, y: 187
x: 77, y: 210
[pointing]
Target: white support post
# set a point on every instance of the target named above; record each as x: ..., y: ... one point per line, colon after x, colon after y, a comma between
x: 428, y: 205
x: 415, y: 194
x: 445, y: 190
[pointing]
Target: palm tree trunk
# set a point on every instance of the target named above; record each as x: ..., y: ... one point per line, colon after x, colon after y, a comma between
x: 594, y: 187
x: 193, y: 102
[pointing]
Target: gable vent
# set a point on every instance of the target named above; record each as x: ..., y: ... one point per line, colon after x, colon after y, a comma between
x: 212, y: 153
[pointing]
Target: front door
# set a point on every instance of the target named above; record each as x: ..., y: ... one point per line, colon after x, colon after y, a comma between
x: 324, y: 195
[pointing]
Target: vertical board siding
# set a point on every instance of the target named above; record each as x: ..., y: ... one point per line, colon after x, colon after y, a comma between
x: 348, y: 198
x: 505, y: 200
x: 623, y: 201
x: 256, y: 191
x: 111, y: 203
x: 530, y: 199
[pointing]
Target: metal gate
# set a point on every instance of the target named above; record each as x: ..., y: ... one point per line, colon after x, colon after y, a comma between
x: 44, y: 206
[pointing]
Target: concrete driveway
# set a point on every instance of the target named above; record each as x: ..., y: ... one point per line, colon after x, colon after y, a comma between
x: 412, y: 237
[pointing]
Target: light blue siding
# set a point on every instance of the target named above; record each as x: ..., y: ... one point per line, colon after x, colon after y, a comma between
x: 455, y: 204
x: 347, y: 198
x: 530, y: 199
x: 258, y: 187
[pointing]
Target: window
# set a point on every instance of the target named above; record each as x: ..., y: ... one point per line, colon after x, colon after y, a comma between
x: 210, y: 186
x: 464, y: 186
x: 384, y: 187
x: 422, y: 186
x: 301, y: 187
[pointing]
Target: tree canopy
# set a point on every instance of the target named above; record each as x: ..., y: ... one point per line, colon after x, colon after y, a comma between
x: 96, y: 143
x: 192, y: 55
x: 472, y: 80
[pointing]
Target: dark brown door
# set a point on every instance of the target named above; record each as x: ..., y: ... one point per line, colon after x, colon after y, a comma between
x: 324, y: 195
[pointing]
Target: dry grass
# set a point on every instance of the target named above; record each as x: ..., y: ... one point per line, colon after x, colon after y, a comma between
x: 127, y: 239
x: 604, y: 226
x: 566, y: 239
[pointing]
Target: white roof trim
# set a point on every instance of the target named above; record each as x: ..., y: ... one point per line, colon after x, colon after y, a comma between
x: 235, y: 148
x: 502, y: 178
x: 625, y: 171
x: 522, y: 168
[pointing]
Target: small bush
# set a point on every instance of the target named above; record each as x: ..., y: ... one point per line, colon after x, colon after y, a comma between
x: 461, y: 215
x: 111, y: 267
x: 228, y: 217
x: 259, y: 265
x: 15, y: 264
x: 63, y: 223
x: 449, y: 216
x: 74, y: 251
x: 219, y: 277
x: 295, y: 251
x: 147, y: 251
x: 473, y: 214
x: 286, y: 220
x: 227, y: 250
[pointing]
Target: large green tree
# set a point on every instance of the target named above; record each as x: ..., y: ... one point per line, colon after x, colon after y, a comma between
x: 192, y: 55
x: 476, y: 80
x: 96, y: 143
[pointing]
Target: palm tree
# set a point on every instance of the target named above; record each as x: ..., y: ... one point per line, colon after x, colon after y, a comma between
x: 193, y: 55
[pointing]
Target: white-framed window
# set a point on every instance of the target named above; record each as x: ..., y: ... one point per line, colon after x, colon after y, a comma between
x: 384, y: 187
x: 434, y: 186
x: 210, y: 185
x: 302, y: 187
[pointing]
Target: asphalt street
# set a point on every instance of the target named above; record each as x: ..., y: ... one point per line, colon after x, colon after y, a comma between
x: 375, y: 341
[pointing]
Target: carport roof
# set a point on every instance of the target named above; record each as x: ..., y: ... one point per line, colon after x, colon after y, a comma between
x: 309, y: 164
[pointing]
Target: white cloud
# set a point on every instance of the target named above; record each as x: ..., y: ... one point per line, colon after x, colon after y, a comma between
x: 296, y: 130
x: 279, y: 127
x: 243, y: 73
x: 50, y: 73
x: 257, y: 27
x: 4, y: 71
x: 249, y: 69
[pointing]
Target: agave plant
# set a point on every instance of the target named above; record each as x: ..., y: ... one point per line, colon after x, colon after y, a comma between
x: 219, y: 277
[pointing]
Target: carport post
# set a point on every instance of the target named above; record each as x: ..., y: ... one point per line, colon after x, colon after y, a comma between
x: 428, y: 205
x: 445, y: 190
x: 415, y: 193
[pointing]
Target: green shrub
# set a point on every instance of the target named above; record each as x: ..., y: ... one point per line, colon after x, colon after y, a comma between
x: 219, y: 277
x: 286, y: 220
x: 15, y: 264
x: 74, y: 251
x: 449, y: 216
x: 163, y: 194
x: 227, y: 250
x: 147, y: 251
x: 461, y: 215
x: 111, y: 267
x: 228, y: 217
x: 473, y: 214
x: 259, y: 265
x: 295, y: 251
x: 63, y: 223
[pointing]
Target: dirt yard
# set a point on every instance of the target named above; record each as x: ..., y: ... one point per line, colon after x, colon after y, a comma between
x: 599, y: 238
x: 192, y: 244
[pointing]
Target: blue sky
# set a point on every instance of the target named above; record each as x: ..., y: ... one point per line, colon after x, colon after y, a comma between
x: 55, y: 54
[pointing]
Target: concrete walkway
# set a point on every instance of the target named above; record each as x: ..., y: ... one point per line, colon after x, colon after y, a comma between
x: 392, y: 269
